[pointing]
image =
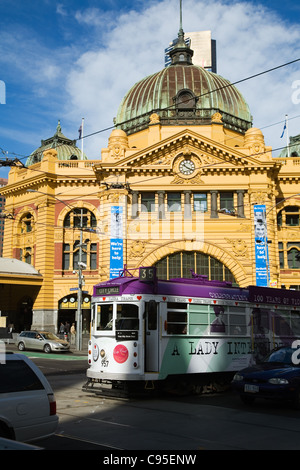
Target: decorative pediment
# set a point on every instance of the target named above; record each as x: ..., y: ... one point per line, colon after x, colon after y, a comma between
x: 204, y: 155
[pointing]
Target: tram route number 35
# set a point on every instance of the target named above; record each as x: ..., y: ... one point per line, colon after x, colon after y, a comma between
x: 147, y: 274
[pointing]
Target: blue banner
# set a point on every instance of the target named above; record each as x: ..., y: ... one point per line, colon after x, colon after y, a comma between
x: 261, y: 246
x: 116, y: 241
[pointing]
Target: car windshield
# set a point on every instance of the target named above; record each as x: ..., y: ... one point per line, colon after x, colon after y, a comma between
x: 50, y: 336
x: 284, y: 356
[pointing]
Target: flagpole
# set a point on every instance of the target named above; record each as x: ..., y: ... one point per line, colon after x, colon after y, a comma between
x: 82, y: 121
x: 287, y: 135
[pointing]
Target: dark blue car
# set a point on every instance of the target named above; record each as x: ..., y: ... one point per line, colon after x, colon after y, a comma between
x: 277, y: 377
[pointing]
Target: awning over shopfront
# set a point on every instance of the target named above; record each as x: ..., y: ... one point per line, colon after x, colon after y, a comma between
x: 13, y: 271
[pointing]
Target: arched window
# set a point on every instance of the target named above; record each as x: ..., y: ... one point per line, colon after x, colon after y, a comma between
x: 76, y: 220
x: 26, y: 223
x: 182, y: 264
x: 293, y: 255
x: 26, y: 238
x: 289, y: 216
x: 185, y: 100
x: 79, y: 216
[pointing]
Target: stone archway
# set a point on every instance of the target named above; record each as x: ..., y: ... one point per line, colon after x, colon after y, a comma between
x: 218, y: 253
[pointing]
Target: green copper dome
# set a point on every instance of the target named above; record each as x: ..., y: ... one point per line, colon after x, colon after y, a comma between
x: 183, y: 94
x: 66, y: 148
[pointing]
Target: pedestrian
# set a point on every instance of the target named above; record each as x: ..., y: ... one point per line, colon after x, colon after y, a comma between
x: 73, y: 333
x: 67, y: 330
x: 61, y: 330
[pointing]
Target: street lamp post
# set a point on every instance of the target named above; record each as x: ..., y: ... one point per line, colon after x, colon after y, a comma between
x: 81, y: 266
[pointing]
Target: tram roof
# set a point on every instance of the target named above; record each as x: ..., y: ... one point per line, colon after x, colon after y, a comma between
x: 199, y: 287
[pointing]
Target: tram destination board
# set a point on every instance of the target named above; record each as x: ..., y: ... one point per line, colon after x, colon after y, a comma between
x: 126, y: 335
x: 108, y: 290
x: 147, y: 274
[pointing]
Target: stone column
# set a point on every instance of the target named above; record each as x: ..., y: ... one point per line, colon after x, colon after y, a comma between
x: 134, y: 204
x: 161, y: 205
x: 240, y: 203
x: 214, y: 204
x: 187, y: 205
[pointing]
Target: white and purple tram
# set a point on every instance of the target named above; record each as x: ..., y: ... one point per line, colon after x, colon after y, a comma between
x: 146, y: 331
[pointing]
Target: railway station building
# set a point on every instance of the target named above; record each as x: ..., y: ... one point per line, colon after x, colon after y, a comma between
x: 186, y: 184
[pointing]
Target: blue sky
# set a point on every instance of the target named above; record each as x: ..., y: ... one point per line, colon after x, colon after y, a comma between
x: 68, y: 59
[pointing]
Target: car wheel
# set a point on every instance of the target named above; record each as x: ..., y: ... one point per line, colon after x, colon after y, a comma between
x: 5, y: 431
x: 247, y: 399
x: 21, y: 346
x: 47, y: 348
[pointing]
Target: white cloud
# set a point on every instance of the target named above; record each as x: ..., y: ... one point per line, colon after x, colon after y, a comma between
x: 250, y: 39
x: 89, y: 78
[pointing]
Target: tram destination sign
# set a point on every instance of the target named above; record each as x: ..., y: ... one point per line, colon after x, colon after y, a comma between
x: 108, y: 290
x: 126, y: 335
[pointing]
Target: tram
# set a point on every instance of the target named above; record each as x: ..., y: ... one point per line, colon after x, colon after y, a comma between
x: 151, y: 334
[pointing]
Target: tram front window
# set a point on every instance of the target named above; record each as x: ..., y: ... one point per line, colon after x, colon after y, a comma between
x: 127, y: 317
x: 104, y: 317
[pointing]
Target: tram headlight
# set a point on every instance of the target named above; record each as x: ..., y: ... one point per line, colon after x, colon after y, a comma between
x: 95, y: 352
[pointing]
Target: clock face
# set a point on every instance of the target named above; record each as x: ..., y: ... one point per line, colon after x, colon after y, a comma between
x: 187, y: 167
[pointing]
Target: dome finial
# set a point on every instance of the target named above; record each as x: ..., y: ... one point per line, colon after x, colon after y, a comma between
x: 58, y: 128
x: 180, y: 24
x: 181, y: 53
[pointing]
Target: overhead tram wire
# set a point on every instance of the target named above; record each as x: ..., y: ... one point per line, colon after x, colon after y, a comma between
x: 172, y: 106
x: 203, y: 94
x: 250, y: 77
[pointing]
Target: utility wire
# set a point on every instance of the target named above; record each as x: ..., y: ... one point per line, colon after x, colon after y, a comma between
x: 250, y: 77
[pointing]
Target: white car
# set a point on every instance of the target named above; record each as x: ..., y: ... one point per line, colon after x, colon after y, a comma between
x: 41, y: 340
x: 27, y: 402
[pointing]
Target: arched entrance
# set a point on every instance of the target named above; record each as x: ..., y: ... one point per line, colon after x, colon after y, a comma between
x: 183, y: 263
x: 67, y: 310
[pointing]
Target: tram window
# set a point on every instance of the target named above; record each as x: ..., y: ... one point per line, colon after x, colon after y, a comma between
x: 237, y: 321
x: 127, y: 317
x: 260, y: 321
x: 104, y: 317
x: 198, y: 319
x: 281, y: 324
x: 295, y: 323
x: 151, y: 312
x: 218, y: 319
x: 176, y: 318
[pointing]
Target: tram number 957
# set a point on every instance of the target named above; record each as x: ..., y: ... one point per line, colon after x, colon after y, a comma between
x: 104, y: 363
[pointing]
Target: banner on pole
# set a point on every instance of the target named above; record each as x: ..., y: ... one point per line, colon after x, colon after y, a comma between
x: 116, y: 241
x: 261, y: 246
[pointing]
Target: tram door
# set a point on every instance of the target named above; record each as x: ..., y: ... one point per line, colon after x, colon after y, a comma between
x: 152, y: 337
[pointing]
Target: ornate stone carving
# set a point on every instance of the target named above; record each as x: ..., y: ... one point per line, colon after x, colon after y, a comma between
x: 137, y: 249
x: 254, y: 141
x: 195, y: 180
x: 239, y: 247
x: 117, y: 144
x: 154, y: 118
x: 259, y: 197
x: 216, y: 117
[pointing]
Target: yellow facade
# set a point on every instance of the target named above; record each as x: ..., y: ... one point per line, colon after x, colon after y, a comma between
x: 187, y: 189
x: 224, y: 162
